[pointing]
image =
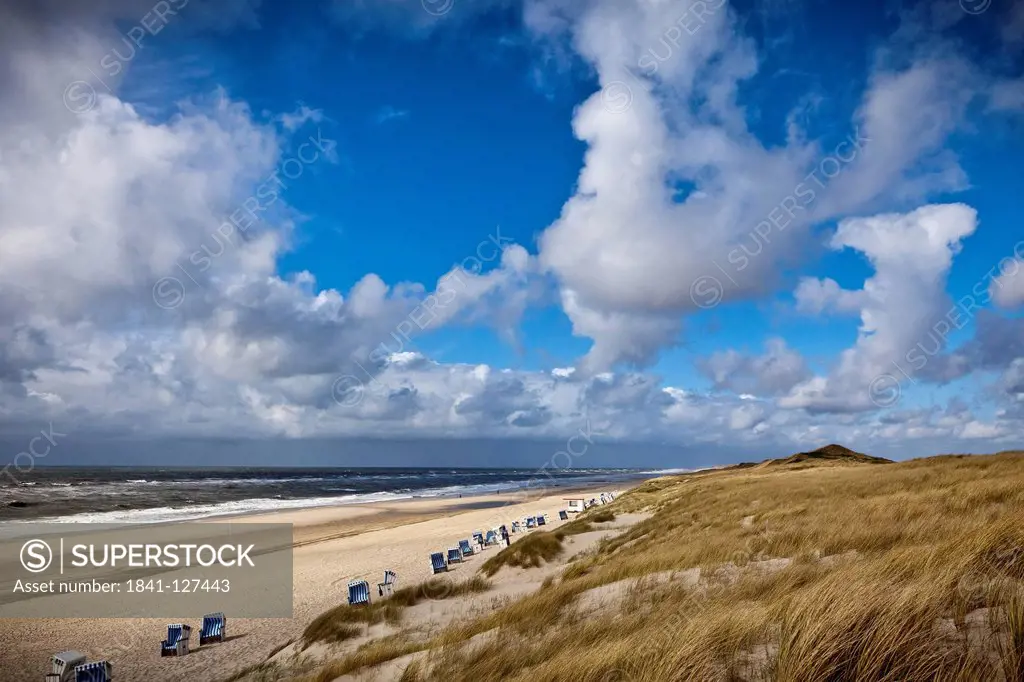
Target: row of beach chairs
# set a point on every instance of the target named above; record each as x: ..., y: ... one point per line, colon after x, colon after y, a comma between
x: 178, y: 634
x: 605, y: 498
x: 359, y: 590
x: 439, y: 562
x: 71, y: 666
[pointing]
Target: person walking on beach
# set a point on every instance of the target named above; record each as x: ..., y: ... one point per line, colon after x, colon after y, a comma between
x: 504, y: 536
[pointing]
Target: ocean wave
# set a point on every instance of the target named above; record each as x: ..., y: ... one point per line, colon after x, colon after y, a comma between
x: 204, y: 511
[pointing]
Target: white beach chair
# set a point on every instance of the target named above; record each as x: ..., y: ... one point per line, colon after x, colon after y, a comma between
x: 388, y: 586
x: 62, y: 666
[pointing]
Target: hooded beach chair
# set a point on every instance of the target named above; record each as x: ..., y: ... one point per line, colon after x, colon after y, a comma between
x: 531, y: 522
x: 214, y: 627
x: 438, y: 563
x: 478, y: 538
x: 62, y: 666
x: 176, y: 643
x: 358, y: 593
x: 454, y: 556
x: 541, y: 520
x: 516, y: 527
x: 465, y: 548
x: 563, y: 515
x: 390, y: 578
x: 97, y: 671
x: 492, y: 537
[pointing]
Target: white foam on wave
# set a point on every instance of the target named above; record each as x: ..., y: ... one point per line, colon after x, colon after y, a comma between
x: 202, y: 511
x: 669, y: 472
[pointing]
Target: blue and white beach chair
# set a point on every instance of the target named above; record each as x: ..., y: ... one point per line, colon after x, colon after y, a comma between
x: 438, y: 563
x: 531, y: 522
x: 465, y: 548
x: 563, y: 515
x: 358, y: 593
x: 492, y: 538
x: 214, y: 628
x: 541, y: 520
x: 454, y: 556
x: 97, y: 671
x: 478, y: 538
x: 176, y: 643
x: 390, y: 578
x: 516, y: 527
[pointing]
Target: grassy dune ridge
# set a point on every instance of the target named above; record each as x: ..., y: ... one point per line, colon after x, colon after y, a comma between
x: 543, y: 545
x: 344, y: 621
x: 825, y: 570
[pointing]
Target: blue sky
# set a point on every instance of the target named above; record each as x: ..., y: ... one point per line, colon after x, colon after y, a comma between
x: 620, y: 192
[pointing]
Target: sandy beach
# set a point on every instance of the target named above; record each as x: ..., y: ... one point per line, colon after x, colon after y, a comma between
x: 333, y: 545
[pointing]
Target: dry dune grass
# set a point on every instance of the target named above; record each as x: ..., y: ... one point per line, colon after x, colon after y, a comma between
x: 342, y: 622
x: 532, y: 550
x: 931, y: 585
x: 542, y: 546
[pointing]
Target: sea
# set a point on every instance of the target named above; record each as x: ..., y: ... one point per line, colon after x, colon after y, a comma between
x: 155, y: 495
